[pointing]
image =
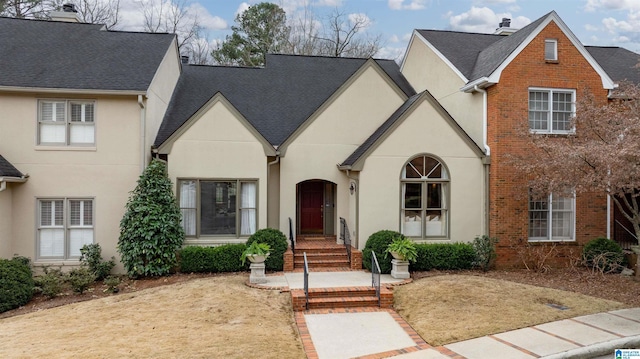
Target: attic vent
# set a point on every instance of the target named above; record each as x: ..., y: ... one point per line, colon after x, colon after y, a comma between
x: 506, y: 22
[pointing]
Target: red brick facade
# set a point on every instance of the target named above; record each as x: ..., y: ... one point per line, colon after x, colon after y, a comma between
x: 507, y: 113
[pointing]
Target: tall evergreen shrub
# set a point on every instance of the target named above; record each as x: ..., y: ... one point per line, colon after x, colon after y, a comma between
x: 150, y: 231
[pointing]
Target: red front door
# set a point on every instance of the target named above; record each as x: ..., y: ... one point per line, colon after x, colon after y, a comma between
x: 311, y: 205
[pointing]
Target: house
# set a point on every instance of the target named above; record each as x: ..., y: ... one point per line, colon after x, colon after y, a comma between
x: 311, y: 145
x: 493, y: 84
x: 81, y: 107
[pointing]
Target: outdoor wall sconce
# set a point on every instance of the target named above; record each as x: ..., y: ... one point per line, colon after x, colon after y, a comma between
x: 352, y: 187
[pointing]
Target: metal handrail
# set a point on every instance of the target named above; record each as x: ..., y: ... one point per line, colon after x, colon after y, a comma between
x: 345, y: 237
x: 375, y: 275
x: 306, y: 281
x: 293, y: 243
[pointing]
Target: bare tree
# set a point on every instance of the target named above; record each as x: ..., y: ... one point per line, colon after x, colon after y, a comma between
x: 22, y: 9
x: 92, y: 11
x: 304, y: 36
x: 603, y: 155
x: 344, y: 36
x: 171, y: 16
x: 198, y: 50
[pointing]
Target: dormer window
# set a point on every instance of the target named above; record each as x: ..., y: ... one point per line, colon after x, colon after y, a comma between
x: 551, y: 50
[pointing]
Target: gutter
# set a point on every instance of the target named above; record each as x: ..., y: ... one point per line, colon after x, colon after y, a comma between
x: 5, y: 180
x: 143, y: 135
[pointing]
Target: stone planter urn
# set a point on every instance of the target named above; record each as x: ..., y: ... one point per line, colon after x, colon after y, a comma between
x: 257, y: 275
x: 399, y: 266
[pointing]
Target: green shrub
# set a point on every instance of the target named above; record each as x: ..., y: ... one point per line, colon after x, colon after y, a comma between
x: 404, y: 248
x: 603, y: 254
x: 112, y: 283
x: 16, y: 283
x: 444, y: 256
x: 278, y: 243
x: 81, y: 279
x: 51, y: 283
x: 485, y: 248
x: 224, y: 258
x: 91, y: 256
x: 379, y: 242
x: 150, y: 230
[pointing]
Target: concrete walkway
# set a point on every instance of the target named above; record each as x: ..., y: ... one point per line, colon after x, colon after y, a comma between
x: 379, y: 333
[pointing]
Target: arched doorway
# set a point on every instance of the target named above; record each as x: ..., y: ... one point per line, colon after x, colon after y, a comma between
x: 316, y: 207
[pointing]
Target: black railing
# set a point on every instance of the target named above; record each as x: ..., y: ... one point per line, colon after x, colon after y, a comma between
x: 345, y: 236
x: 375, y: 275
x: 293, y: 243
x: 306, y: 281
x: 623, y: 236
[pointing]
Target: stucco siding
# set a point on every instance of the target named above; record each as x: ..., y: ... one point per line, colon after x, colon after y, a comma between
x: 218, y: 146
x: 6, y: 225
x: 424, y: 131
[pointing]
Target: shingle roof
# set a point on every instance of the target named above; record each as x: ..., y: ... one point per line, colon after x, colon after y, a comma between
x: 275, y: 99
x: 477, y: 55
x: 620, y: 64
x: 7, y: 169
x: 50, y: 54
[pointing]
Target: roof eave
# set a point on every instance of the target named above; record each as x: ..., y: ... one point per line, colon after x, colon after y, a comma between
x: 72, y: 91
x: 22, y: 179
x: 482, y: 82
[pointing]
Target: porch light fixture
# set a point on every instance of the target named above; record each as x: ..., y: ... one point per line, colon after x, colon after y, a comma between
x: 352, y: 187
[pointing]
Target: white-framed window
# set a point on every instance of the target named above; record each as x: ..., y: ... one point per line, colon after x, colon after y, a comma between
x: 425, y: 185
x: 218, y: 207
x: 551, y: 110
x: 552, y: 218
x: 66, y: 122
x: 64, y: 226
x: 551, y: 50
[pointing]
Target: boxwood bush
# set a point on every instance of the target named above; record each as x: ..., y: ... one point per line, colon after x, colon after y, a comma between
x: 224, y: 258
x: 378, y: 243
x: 278, y: 243
x: 16, y: 283
x: 603, y: 254
x: 444, y: 256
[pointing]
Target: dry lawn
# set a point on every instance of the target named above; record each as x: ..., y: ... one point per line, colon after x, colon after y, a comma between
x: 450, y: 308
x: 203, y: 318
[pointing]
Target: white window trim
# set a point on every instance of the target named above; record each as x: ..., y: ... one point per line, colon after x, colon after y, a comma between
x: 66, y: 226
x: 198, y: 235
x: 555, y: 49
x: 550, y: 112
x: 549, y: 238
x: 67, y: 124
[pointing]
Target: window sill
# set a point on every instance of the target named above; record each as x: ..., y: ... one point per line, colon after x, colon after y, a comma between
x: 551, y: 61
x: 543, y: 240
x: 66, y: 148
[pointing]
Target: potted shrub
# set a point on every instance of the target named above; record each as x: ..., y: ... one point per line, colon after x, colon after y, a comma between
x: 403, y: 249
x: 256, y: 252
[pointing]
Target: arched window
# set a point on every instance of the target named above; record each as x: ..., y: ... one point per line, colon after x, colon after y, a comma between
x: 425, y: 188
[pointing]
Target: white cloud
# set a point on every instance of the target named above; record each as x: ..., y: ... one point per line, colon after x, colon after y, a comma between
x: 394, y: 39
x: 207, y: 20
x: 391, y: 53
x: 412, y: 5
x: 241, y: 8
x: 629, y: 5
x: 483, y: 20
x: 330, y: 3
x: 590, y: 27
x: 361, y: 18
x: 493, y: 2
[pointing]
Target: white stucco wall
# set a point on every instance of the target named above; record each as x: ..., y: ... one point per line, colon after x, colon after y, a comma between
x: 424, y: 131
x: 6, y: 223
x: 218, y: 146
x: 347, y: 122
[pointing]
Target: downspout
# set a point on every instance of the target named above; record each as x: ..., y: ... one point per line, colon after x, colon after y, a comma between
x: 357, y: 225
x: 609, y: 216
x: 143, y: 129
x: 487, y: 160
x: 269, y: 164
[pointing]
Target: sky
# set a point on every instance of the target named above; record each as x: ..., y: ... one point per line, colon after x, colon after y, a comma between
x: 594, y: 22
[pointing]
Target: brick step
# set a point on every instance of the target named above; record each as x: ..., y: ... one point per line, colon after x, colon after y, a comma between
x: 323, y: 264
x: 341, y: 292
x: 321, y: 256
x: 343, y: 302
x: 300, y: 251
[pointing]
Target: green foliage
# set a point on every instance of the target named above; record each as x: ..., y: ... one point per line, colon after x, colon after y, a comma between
x: 261, y: 29
x: 150, y: 231
x: 444, y: 256
x: 225, y: 258
x: 276, y: 241
x: 485, y: 248
x: 80, y: 279
x: 91, y: 256
x: 404, y: 247
x: 255, y: 249
x: 379, y: 242
x: 603, y: 254
x: 51, y: 283
x: 16, y: 283
x: 112, y: 282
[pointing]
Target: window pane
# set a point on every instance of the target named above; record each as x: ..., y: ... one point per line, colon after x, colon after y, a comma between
x: 74, y: 213
x: 538, y: 215
x: 433, y: 168
x: 435, y: 223
x: 59, y: 215
x: 218, y: 207
x: 415, y: 168
x: 52, y: 242
x: 77, y: 239
x: 562, y: 111
x: 538, y: 110
x: 412, y: 223
x: 82, y: 133
x: 413, y: 195
x: 52, y: 133
x: 46, y: 213
x: 52, y: 111
x: 434, y: 195
x: 188, y: 206
x: 87, y: 212
x: 550, y: 50
x: 248, y: 211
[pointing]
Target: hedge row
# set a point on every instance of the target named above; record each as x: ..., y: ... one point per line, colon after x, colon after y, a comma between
x: 225, y: 258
